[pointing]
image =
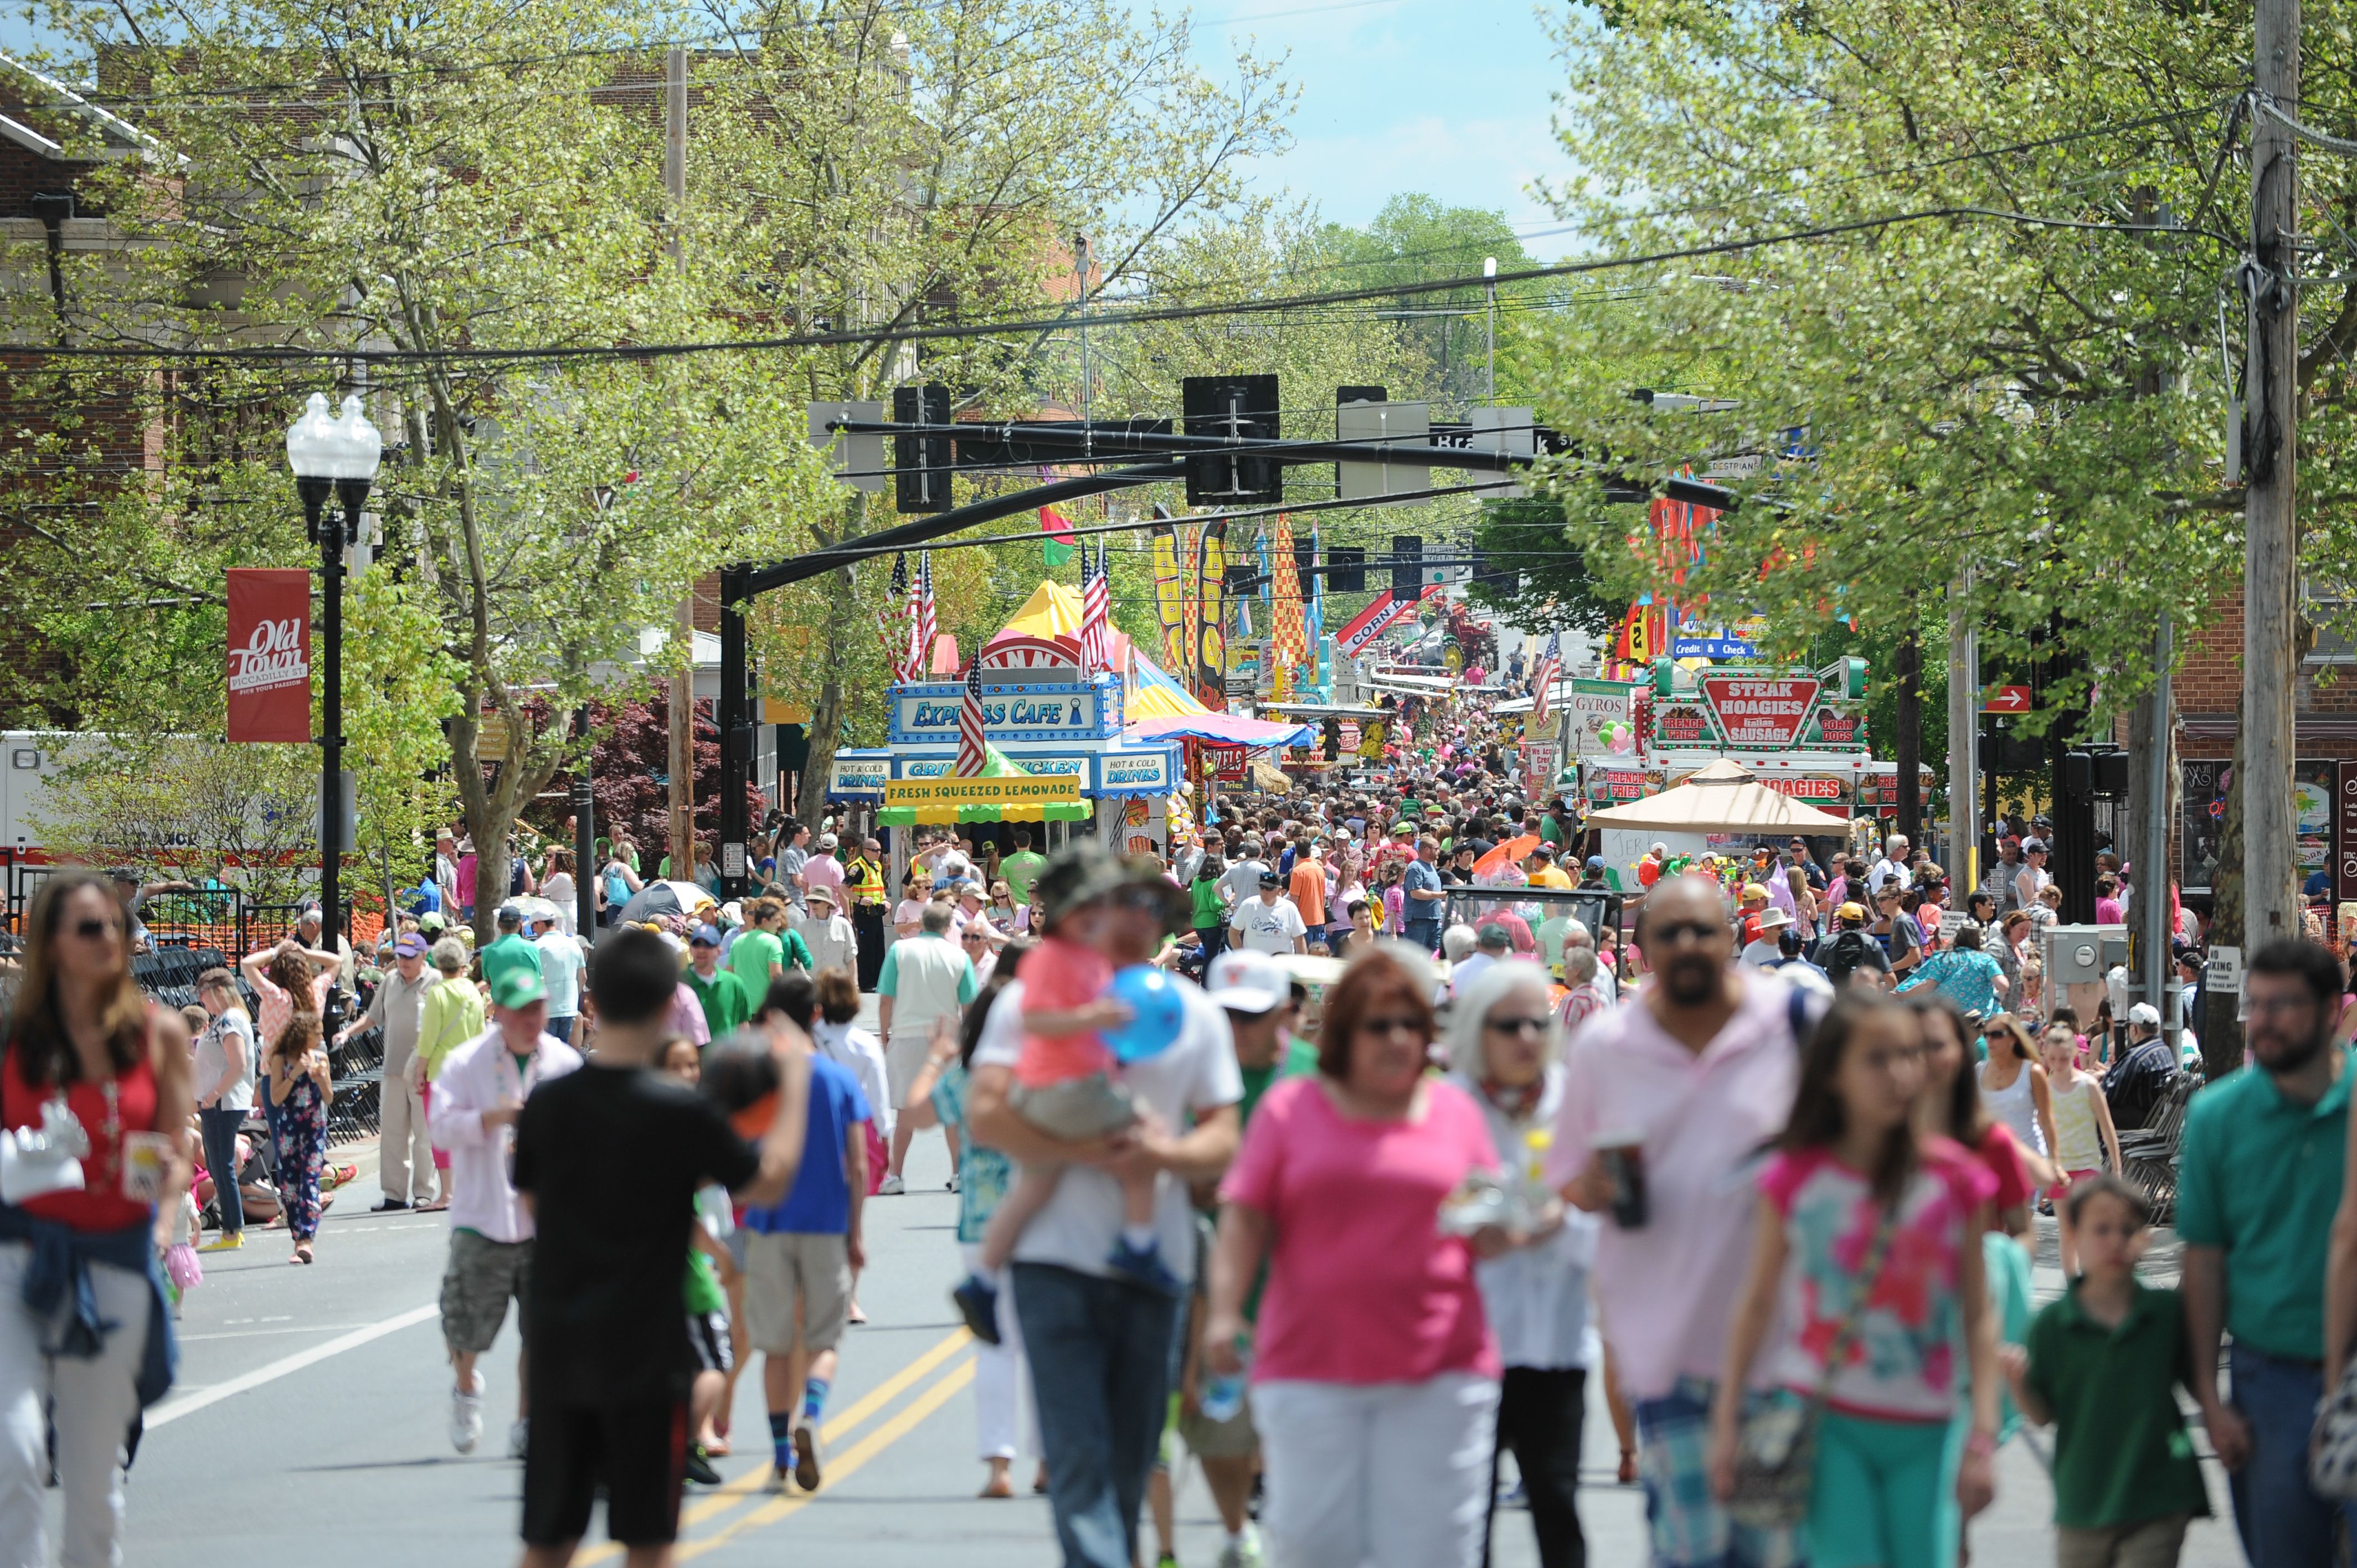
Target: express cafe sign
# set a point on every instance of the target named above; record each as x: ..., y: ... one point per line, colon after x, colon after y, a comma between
x: 1027, y: 713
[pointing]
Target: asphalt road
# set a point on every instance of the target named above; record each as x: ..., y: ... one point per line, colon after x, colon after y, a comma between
x: 309, y: 1425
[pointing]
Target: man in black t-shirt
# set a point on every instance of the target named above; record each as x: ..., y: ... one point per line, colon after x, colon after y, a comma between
x: 610, y: 1163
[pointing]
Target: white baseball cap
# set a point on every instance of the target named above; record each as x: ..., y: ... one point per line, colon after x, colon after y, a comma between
x: 1247, y: 982
x: 2145, y: 1012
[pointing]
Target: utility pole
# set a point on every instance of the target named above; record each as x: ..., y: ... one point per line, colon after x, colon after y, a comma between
x: 2270, y: 528
x: 1489, y: 327
x: 1963, y: 731
x: 682, y: 679
x: 2151, y: 902
x: 1908, y: 744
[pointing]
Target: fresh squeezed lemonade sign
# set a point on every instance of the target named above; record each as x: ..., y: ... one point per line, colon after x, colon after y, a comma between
x: 1754, y: 712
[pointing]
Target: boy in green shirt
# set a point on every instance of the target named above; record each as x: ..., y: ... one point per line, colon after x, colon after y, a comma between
x: 721, y: 994
x: 2103, y: 1364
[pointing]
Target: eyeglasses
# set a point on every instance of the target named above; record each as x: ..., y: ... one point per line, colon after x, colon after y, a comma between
x: 91, y: 929
x: 1398, y: 1026
x: 1515, y: 1025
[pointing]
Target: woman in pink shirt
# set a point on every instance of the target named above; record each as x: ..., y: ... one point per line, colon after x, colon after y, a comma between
x: 1374, y: 1375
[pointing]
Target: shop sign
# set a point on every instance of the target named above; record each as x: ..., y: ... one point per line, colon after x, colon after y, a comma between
x: 1806, y: 787
x: 1753, y: 710
x: 1011, y: 714
x: 1681, y: 723
x: 1614, y: 785
x: 1592, y: 706
x: 2344, y: 824
x: 1840, y: 729
x: 1011, y: 789
x: 1133, y: 773
x: 863, y: 776
x: 932, y: 767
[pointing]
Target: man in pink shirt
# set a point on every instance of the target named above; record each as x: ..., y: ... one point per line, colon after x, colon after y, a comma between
x: 1699, y: 1073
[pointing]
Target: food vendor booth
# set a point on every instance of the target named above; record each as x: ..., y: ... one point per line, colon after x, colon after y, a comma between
x: 1045, y: 714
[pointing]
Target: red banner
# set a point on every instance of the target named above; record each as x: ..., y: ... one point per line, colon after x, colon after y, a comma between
x: 270, y: 655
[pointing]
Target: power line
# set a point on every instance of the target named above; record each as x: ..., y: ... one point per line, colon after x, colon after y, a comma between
x: 552, y: 354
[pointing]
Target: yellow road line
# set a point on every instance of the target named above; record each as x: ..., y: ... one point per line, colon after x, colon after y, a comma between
x: 738, y: 1490
x: 851, y: 1461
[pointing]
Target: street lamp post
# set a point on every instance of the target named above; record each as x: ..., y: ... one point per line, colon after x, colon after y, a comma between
x: 332, y: 454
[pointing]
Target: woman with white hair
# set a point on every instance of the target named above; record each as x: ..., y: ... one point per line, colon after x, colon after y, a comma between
x: 1503, y: 1043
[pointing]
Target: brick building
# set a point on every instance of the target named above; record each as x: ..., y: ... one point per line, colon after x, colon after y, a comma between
x: 2209, y: 692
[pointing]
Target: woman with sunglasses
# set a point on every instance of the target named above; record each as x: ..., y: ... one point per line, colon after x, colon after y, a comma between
x: 1502, y: 1045
x: 1375, y: 1376
x: 84, y: 1336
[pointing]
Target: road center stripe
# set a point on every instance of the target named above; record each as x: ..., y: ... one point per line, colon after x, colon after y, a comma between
x: 172, y: 1409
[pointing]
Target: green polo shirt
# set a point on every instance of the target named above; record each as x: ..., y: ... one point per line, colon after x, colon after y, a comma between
x: 1021, y: 870
x: 2120, y: 1453
x: 2260, y: 1180
x: 510, y: 953
x: 723, y: 998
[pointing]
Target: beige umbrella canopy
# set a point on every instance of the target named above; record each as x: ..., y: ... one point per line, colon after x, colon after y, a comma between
x: 1724, y: 798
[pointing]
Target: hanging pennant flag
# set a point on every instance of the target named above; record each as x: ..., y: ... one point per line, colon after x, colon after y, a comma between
x: 1288, y: 649
x: 270, y: 654
x: 973, y: 748
x: 1210, y: 631
x: 1173, y: 544
x: 1316, y: 614
x: 1543, y: 683
x: 1057, y: 532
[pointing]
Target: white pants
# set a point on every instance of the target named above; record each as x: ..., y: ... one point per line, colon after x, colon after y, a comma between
x: 91, y: 1401
x: 405, y: 1145
x: 1005, y: 1423
x: 1393, y: 1475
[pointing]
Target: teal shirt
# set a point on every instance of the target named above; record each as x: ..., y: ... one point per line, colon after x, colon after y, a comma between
x: 2260, y: 1179
x: 510, y: 953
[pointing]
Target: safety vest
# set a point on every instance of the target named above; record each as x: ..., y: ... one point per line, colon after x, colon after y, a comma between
x: 865, y: 881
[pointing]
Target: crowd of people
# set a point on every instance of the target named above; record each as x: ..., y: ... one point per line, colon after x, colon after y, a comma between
x: 1764, y: 1169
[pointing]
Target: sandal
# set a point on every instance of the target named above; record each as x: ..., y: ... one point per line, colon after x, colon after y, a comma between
x: 302, y: 1252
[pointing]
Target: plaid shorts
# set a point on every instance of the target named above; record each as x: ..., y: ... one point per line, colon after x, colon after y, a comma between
x: 1689, y: 1528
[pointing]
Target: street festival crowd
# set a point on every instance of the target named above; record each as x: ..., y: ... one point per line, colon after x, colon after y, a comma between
x: 1768, y: 1169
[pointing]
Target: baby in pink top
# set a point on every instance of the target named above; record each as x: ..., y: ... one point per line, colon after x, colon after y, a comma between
x: 1067, y: 1085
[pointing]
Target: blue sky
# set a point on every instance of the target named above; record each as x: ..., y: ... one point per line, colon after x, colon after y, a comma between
x: 1446, y: 97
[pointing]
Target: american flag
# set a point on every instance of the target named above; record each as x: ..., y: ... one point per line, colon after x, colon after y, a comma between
x: 971, y: 747
x: 920, y: 656
x: 893, y: 622
x: 1096, y: 627
x: 1543, y: 679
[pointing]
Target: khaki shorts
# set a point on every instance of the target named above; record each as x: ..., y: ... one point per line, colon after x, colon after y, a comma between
x: 480, y: 1278
x: 792, y: 1276
x: 1234, y: 1438
x: 1076, y: 1110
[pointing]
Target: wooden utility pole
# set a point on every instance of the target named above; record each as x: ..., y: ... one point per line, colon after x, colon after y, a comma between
x: 1908, y: 745
x: 2270, y: 441
x: 683, y: 678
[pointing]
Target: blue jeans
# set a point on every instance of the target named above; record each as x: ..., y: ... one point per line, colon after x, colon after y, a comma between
x: 562, y: 1027
x: 1100, y: 1353
x: 218, y: 1128
x: 1425, y: 934
x: 2282, y: 1524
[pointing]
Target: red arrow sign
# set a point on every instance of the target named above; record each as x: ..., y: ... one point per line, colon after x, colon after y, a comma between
x: 2005, y: 700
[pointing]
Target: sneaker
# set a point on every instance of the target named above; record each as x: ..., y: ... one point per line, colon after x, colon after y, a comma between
x: 699, y: 1466
x: 467, y: 1417
x: 1167, y: 1559
x: 227, y: 1241
x: 1243, y: 1551
x: 978, y: 1303
x: 1144, y: 1265
x: 806, y: 1474
x: 892, y: 1188
x: 519, y: 1438
x: 953, y: 1181
x: 781, y: 1479
x: 388, y: 1205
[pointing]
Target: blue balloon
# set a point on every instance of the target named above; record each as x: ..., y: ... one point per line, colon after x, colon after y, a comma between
x: 1156, y: 1013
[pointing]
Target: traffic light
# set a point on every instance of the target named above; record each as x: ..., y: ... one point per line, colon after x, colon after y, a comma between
x: 920, y: 464
x: 1407, y: 567
x: 1240, y: 406
x: 1346, y: 570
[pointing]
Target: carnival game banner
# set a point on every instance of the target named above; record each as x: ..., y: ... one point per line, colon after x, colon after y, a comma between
x: 270, y: 655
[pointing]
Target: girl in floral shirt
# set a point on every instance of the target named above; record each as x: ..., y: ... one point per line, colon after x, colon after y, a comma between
x: 1864, y: 1223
